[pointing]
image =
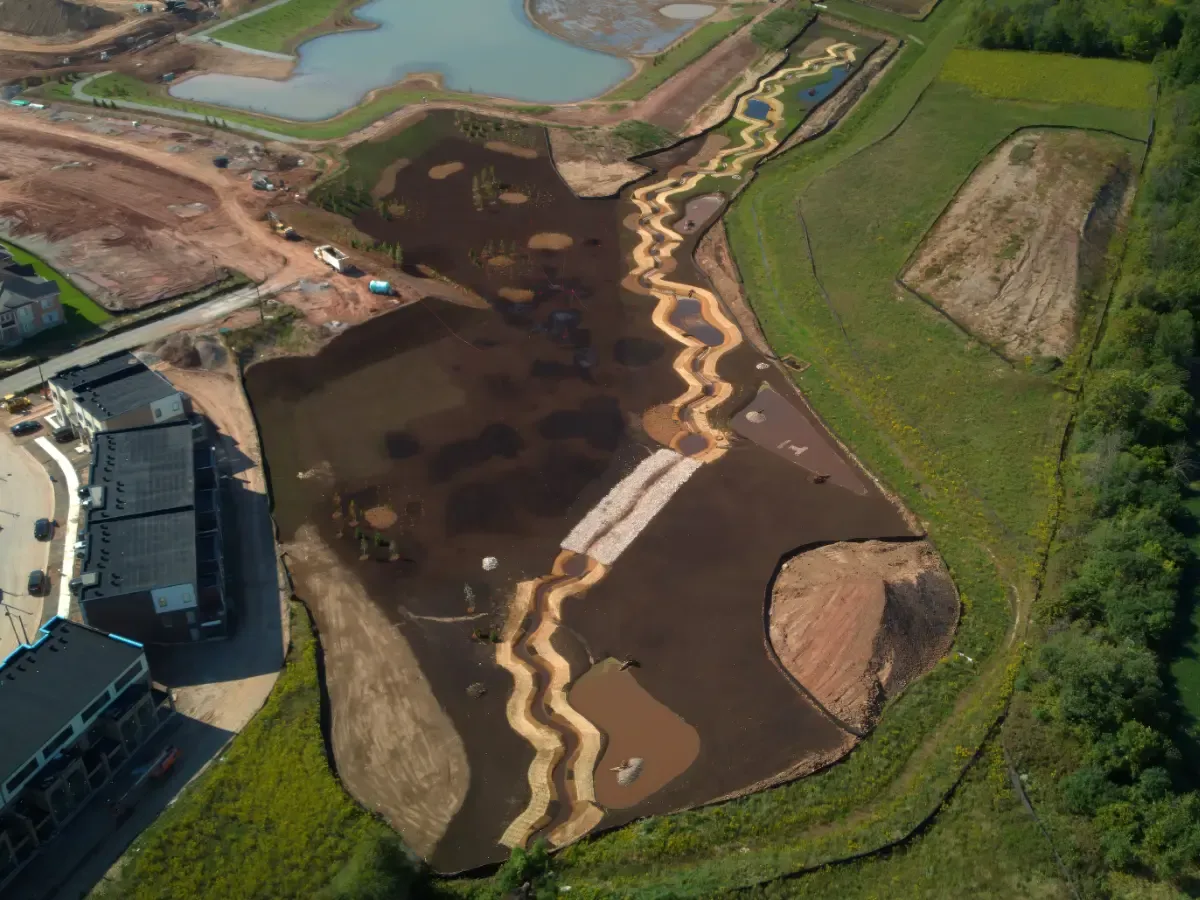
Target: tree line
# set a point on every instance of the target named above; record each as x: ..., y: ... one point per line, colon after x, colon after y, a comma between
x: 1123, y: 570
x: 1131, y: 29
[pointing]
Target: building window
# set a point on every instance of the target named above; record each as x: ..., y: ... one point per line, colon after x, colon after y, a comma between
x: 97, y: 705
x: 128, y: 677
x: 61, y: 739
x: 15, y: 782
x: 157, y: 413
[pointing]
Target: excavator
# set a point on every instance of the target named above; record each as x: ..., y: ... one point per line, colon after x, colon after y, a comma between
x: 281, y: 228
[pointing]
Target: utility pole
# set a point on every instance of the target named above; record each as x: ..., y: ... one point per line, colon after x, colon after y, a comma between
x: 23, y: 638
x: 262, y: 316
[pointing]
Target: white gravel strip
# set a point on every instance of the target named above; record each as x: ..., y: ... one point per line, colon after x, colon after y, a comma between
x: 613, y: 523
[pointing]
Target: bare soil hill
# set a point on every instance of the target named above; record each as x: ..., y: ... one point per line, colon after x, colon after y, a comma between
x: 1008, y: 259
x: 49, y: 18
x: 855, y: 622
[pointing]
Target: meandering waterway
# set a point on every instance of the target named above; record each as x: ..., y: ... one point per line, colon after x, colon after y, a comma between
x: 480, y: 46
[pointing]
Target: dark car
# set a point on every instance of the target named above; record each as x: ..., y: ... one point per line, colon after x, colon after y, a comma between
x: 42, y: 529
x: 37, y: 582
x: 26, y: 427
x: 64, y: 433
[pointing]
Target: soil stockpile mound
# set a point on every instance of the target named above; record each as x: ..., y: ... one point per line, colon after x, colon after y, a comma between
x: 1005, y: 260
x: 46, y: 18
x: 855, y: 622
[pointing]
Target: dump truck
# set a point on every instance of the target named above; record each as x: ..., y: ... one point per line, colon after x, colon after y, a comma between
x: 332, y: 257
x: 281, y: 228
x: 15, y: 404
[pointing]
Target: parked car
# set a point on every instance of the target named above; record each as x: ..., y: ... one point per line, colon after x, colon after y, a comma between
x: 64, y: 433
x: 37, y: 582
x: 27, y: 427
x: 43, y: 529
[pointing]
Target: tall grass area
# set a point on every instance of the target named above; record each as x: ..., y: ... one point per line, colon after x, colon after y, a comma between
x: 267, y: 820
x: 278, y: 30
x: 678, y: 57
x: 969, y: 852
x: 1051, y: 78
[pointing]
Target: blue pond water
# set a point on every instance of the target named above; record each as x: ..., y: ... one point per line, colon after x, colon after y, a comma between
x: 757, y: 109
x: 485, y: 46
x: 814, y: 94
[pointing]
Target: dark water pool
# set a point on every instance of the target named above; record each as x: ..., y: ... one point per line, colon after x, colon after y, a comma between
x: 757, y: 109
x: 812, y: 94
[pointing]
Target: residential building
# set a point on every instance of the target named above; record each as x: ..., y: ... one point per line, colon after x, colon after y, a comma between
x: 29, y: 303
x: 115, y: 392
x: 75, y: 706
x: 153, y: 565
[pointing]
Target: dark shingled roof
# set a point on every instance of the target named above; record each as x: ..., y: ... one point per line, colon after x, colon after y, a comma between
x: 44, y: 686
x: 143, y: 470
x: 17, y: 290
x: 106, y: 368
x: 117, y: 397
x: 130, y: 555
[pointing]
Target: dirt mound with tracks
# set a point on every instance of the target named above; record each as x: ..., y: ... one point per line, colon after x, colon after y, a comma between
x: 48, y: 18
x: 1023, y: 237
x: 856, y: 622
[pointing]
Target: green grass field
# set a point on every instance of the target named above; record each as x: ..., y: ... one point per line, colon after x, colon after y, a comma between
x: 1049, y: 78
x: 82, y: 313
x: 655, y: 72
x: 278, y: 30
x: 267, y: 820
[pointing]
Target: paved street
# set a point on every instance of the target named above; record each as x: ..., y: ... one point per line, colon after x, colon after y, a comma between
x: 25, y: 496
x: 210, y: 311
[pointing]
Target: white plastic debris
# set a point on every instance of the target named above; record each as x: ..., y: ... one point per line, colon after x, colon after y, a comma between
x: 490, y: 563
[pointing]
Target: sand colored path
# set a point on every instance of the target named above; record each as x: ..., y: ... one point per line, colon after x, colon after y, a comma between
x: 607, y: 529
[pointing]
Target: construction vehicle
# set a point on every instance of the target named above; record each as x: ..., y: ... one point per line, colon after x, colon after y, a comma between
x: 281, y: 228
x: 15, y: 404
x: 332, y: 257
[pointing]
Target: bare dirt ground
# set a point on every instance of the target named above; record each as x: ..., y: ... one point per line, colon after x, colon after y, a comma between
x: 636, y: 727
x: 396, y: 749
x: 225, y: 684
x: 590, y: 163
x: 855, y: 622
x: 50, y: 18
x: 1004, y: 260
x: 121, y: 214
x: 673, y: 103
x: 715, y: 260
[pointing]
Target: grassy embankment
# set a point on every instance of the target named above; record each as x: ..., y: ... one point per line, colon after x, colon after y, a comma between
x: 267, y: 819
x: 678, y: 57
x: 969, y: 442
x: 82, y: 313
x: 283, y: 28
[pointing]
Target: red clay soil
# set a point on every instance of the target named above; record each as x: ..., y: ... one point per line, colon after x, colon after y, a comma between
x: 636, y: 726
x: 855, y: 622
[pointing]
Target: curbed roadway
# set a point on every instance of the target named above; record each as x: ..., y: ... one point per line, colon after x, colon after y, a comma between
x: 567, y: 746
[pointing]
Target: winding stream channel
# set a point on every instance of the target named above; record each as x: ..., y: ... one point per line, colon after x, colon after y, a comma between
x: 567, y: 745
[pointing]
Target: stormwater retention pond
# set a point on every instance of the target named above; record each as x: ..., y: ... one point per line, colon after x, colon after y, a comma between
x: 481, y: 46
x: 439, y: 436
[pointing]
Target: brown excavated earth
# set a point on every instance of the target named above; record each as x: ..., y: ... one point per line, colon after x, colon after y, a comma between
x: 550, y: 240
x: 127, y: 232
x: 1004, y: 260
x: 380, y: 517
x: 856, y: 622
x: 516, y: 295
x: 635, y: 725
x: 512, y: 149
x: 514, y: 198
x: 445, y: 170
x: 397, y: 751
x: 590, y: 165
